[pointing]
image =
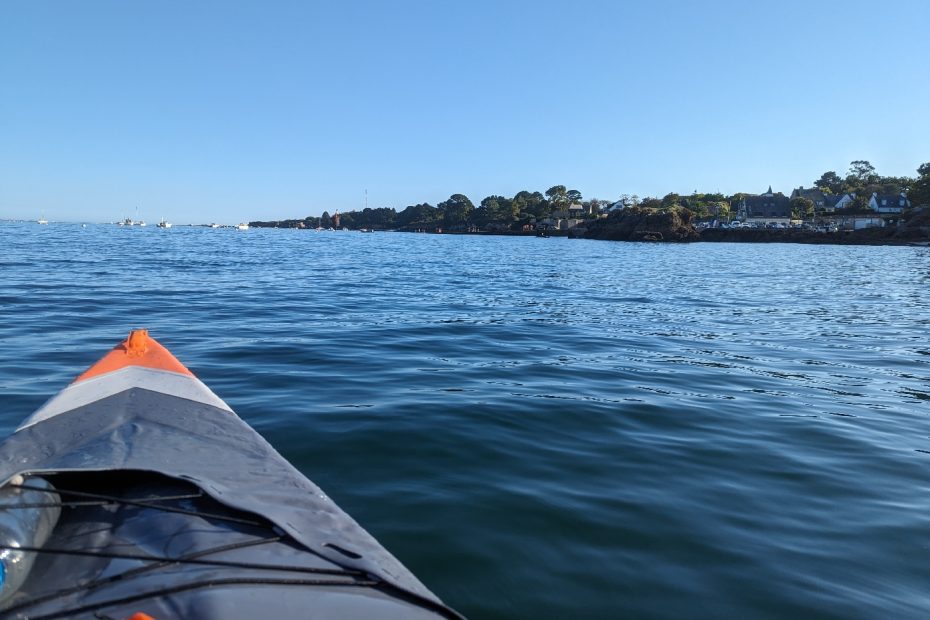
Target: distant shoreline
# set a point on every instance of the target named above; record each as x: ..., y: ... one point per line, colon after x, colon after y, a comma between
x: 713, y: 235
x: 910, y: 236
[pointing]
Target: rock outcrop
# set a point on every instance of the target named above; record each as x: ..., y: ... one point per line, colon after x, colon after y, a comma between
x: 642, y: 224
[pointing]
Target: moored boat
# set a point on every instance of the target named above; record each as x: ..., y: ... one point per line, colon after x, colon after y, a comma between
x: 164, y: 223
x: 242, y: 226
x: 162, y: 503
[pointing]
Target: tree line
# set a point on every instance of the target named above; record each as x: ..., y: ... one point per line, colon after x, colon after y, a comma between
x: 503, y: 213
x: 456, y: 213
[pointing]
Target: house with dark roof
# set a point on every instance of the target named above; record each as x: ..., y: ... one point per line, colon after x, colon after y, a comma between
x: 838, y: 201
x: 769, y: 204
x: 889, y: 203
x: 815, y: 195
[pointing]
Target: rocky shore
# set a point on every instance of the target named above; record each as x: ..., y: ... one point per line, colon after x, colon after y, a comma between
x: 640, y: 224
x: 868, y: 236
x: 636, y: 224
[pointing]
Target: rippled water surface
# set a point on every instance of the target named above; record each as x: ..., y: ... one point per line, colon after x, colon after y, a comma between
x: 543, y: 428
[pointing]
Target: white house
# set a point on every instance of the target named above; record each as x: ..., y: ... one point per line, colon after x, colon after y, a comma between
x: 889, y: 203
x: 841, y: 202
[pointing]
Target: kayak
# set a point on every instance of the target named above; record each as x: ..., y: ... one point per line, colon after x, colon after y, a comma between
x: 137, y: 493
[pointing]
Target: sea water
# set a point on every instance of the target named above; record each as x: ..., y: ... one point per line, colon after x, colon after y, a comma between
x: 542, y: 428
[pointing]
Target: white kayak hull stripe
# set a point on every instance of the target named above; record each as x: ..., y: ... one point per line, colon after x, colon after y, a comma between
x: 93, y: 389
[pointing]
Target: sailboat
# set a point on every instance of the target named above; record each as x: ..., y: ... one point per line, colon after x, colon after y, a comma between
x: 164, y: 223
x: 42, y: 220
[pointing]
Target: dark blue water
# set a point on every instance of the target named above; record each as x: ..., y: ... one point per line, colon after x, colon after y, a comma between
x: 543, y: 428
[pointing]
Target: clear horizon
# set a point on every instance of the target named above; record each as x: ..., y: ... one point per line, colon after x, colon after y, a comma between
x: 269, y: 111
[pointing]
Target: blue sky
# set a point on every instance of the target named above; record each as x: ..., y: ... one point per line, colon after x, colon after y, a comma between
x: 231, y: 111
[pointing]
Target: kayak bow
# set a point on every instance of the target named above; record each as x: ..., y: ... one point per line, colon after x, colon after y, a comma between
x: 172, y: 506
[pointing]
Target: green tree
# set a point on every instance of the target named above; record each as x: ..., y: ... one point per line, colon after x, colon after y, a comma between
x: 456, y: 211
x: 702, y: 205
x: 558, y: 197
x: 380, y: 218
x: 487, y: 211
x: 325, y: 220
x: 802, y: 208
x: 384, y: 217
x: 494, y: 209
x: 700, y: 208
x: 861, y: 173
x: 629, y: 200
x: 830, y: 183
x: 415, y: 217
x: 919, y: 192
x: 530, y: 204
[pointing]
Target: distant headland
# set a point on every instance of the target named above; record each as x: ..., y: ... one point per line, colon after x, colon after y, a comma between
x: 860, y: 207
